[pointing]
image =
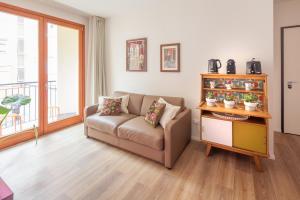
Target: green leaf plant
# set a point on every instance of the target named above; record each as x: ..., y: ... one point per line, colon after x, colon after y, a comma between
x: 250, y: 98
x: 17, y: 100
x: 3, y: 112
x: 210, y: 95
x: 8, y: 102
x: 229, y: 97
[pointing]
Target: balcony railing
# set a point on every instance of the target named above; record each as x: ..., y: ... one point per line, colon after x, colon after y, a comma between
x: 30, y: 112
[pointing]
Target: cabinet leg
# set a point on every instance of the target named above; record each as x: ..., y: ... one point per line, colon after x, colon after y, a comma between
x: 257, y: 162
x: 208, y: 149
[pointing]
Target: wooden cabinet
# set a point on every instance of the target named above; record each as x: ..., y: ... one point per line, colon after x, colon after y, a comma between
x: 249, y: 136
x: 237, y: 134
x: 217, y: 131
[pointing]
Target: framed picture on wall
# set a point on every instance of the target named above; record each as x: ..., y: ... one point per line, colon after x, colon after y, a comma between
x: 136, y: 55
x: 170, y: 57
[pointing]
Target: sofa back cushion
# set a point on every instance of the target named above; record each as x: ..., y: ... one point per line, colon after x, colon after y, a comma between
x: 135, y: 101
x: 148, y: 100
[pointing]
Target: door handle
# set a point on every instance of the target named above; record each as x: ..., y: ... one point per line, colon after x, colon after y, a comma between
x: 290, y: 84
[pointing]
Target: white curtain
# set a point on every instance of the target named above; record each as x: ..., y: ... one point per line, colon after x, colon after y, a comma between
x: 96, y: 58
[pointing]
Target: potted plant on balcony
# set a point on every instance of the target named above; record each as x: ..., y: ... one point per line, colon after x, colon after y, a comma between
x: 15, y: 102
x: 211, y: 99
x: 250, y: 101
x: 3, y: 114
x: 229, y: 101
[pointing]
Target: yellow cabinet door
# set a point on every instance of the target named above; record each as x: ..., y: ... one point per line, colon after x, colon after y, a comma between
x: 252, y: 137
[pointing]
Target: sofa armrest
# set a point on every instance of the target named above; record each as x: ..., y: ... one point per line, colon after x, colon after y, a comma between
x: 177, y: 136
x: 89, y: 110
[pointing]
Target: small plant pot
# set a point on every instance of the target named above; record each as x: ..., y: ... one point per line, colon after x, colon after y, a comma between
x: 229, y: 104
x: 250, y: 106
x: 248, y: 86
x: 211, y: 102
x: 15, y: 108
x: 228, y: 86
x: 212, y: 84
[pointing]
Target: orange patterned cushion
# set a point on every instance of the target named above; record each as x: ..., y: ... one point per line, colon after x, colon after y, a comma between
x: 111, y: 107
x: 154, y: 113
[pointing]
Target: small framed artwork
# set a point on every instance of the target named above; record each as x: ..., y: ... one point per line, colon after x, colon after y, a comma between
x: 170, y: 57
x: 136, y: 55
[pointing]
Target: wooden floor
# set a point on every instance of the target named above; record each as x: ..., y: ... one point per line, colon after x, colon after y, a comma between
x: 66, y: 165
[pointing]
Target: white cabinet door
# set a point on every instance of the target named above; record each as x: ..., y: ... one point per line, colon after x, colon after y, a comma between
x: 217, y: 131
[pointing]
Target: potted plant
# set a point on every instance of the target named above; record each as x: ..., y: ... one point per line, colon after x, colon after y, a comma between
x: 3, y: 114
x: 15, y: 102
x: 250, y: 101
x: 211, y: 99
x: 228, y: 85
x: 229, y: 101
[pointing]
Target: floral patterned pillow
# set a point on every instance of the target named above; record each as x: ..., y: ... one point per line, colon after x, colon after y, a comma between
x: 111, y: 106
x: 154, y: 113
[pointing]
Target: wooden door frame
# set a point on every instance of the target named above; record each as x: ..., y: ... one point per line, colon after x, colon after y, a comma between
x: 78, y: 118
x: 282, y: 29
x: 13, y: 139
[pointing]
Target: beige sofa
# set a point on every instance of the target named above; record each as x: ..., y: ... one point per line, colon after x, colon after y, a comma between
x: 132, y: 133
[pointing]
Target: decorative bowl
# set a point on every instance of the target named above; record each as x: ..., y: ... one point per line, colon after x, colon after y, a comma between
x: 250, y: 106
x: 211, y: 102
x: 229, y: 104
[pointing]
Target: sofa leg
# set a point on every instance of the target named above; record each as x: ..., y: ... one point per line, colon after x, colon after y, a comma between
x: 208, y: 149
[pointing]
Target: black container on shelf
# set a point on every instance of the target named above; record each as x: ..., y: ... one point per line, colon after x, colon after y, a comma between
x: 230, y: 69
x: 213, y: 66
x: 253, y: 67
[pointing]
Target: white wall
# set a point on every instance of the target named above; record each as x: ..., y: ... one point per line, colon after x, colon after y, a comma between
x: 286, y: 13
x: 206, y: 29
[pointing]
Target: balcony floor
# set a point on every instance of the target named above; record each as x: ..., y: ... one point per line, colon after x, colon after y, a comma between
x: 14, y: 129
x: 17, y: 129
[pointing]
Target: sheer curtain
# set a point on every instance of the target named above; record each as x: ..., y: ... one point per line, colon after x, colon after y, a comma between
x: 96, y: 58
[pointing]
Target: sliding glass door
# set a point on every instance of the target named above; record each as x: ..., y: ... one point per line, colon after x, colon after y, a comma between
x: 64, y: 65
x: 19, y: 73
x: 41, y: 74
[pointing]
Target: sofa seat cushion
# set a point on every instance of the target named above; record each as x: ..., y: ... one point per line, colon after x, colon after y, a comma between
x: 107, y: 124
x: 139, y: 131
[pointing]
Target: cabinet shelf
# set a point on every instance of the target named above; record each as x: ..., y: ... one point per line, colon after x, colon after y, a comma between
x: 251, y: 120
x: 219, y: 107
x: 234, y: 90
x: 236, y: 76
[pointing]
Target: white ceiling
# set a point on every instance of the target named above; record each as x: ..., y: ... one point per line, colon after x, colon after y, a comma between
x: 108, y: 8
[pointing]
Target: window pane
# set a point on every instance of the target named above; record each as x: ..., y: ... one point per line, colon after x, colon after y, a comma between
x: 18, y: 72
x: 63, y: 72
x: 20, y: 75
